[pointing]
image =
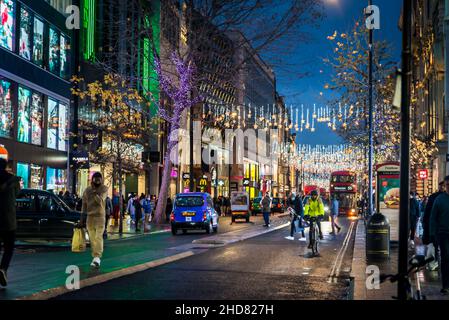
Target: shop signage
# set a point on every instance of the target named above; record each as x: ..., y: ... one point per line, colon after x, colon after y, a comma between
x: 3, y: 152
x: 186, y: 176
x: 80, y: 159
x: 90, y: 136
x: 203, y: 182
x: 423, y: 174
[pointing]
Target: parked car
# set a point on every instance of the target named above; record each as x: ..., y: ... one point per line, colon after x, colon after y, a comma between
x: 255, y: 206
x: 240, y: 205
x: 42, y: 214
x: 193, y: 211
x: 278, y: 205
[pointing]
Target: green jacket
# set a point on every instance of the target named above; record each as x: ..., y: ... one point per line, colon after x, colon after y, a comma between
x: 439, y: 218
x: 314, y: 208
x: 9, y: 189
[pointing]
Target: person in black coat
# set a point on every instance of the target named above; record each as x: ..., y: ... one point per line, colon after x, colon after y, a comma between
x: 427, y: 212
x: 168, y: 210
x: 414, y: 216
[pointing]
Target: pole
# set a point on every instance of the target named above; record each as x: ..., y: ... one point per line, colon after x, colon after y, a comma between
x: 405, y: 148
x: 370, y: 110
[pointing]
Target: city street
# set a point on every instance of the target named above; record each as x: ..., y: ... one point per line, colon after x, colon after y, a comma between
x: 266, y: 266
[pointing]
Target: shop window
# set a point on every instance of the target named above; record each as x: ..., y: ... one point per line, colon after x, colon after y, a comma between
x: 23, y: 118
x: 36, y: 177
x: 23, y: 171
x: 6, y: 110
x: 65, y: 58
x: 54, y: 52
x: 62, y: 128
x: 7, y: 34
x: 56, y: 180
x: 37, y: 113
x: 53, y: 124
x: 25, y: 42
x: 38, y: 42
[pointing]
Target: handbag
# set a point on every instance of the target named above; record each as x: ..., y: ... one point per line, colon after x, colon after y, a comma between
x: 79, y: 240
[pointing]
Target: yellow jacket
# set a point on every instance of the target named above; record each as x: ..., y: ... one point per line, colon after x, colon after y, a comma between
x: 314, y: 208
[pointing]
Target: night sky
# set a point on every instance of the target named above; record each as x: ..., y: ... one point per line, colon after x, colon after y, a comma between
x: 340, y: 15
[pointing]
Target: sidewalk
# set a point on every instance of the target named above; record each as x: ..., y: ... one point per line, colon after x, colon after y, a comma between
x: 430, y: 282
x: 34, y: 274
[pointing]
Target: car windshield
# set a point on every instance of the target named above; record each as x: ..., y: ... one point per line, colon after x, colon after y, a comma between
x: 189, y: 201
x: 240, y: 200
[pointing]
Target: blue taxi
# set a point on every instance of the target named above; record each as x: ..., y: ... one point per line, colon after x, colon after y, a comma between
x: 193, y: 211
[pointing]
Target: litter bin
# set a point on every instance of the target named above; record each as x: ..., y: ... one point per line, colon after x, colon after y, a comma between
x: 378, y: 237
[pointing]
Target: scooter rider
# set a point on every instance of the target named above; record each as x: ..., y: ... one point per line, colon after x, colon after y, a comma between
x: 314, y: 208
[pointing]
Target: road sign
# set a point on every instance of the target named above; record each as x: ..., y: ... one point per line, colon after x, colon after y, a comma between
x: 423, y: 174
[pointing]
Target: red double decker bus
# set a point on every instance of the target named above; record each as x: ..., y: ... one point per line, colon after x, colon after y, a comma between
x: 343, y: 185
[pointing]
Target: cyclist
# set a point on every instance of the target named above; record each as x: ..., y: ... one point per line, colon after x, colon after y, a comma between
x: 314, y: 208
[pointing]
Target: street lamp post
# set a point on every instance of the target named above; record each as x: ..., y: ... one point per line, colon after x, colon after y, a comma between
x: 405, y: 148
x: 370, y: 119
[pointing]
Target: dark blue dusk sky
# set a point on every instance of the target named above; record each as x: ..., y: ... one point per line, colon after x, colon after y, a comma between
x: 340, y: 16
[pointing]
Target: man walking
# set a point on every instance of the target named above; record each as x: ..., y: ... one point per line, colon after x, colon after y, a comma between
x: 9, y: 188
x: 413, y: 216
x: 296, y: 204
x: 94, y: 205
x: 334, y: 214
x: 426, y: 224
x: 266, y: 208
x: 439, y: 232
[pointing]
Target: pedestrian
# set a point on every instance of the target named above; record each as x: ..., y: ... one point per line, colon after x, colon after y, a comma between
x: 265, y: 203
x: 116, y: 208
x: 9, y: 189
x: 108, y: 214
x: 295, y: 203
x: 61, y: 195
x: 433, y: 266
x: 217, y: 206
x: 138, y: 212
x: 94, y: 205
x: 130, y: 207
x: 146, y: 205
x: 69, y: 200
x: 439, y: 232
x: 334, y: 214
x: 168, y: 209
x: 413, y: 216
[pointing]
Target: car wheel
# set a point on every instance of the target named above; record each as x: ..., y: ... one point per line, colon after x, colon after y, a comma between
x: 209, y: 228
x: 174, y: 231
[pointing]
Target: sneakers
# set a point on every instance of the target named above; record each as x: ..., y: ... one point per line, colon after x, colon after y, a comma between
x: 303, y: 239
x: 411, y: 244
x: 445, y: 292
x: 95, y: 262
x: 3, y: 280
x: 290, y: 238
x: 338, y: 229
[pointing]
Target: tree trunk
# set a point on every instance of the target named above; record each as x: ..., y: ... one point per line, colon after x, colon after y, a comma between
x: 162, y: 200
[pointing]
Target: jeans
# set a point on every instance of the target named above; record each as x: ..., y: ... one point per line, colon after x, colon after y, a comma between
x: 7, y: 239
x: 266, y: 217
x: 293, y: 227
x: 413, y: 224
x: 443, y: 243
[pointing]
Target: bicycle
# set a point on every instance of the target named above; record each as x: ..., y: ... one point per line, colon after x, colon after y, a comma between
x: 417, y: 263
x: 314, y: 234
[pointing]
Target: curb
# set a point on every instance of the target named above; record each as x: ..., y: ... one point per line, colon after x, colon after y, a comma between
x: 54, y: 292
x: 358, y: 267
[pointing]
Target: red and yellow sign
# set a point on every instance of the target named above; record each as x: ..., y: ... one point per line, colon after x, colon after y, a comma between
x: 3, y: 152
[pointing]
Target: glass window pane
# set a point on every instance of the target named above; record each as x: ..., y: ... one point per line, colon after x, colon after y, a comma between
x: 53, y: 57
x: 23, y: 171
x: 25, y: 35
x: 53, y: 123
x: 23, y: 117
x: 62, y: 127
x: 65, y: 58
x: 6, y: 111
x: 36, y: 174
x: 38, y: 41
x: 56, y: 180
x: 7, y: 24
x: 37, y: 111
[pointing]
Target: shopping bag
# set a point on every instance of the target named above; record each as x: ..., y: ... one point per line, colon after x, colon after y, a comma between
x: 79, y: 240
x: 430, y: 251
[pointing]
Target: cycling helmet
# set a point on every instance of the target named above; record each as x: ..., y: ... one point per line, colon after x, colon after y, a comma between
x: 314, y: 193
